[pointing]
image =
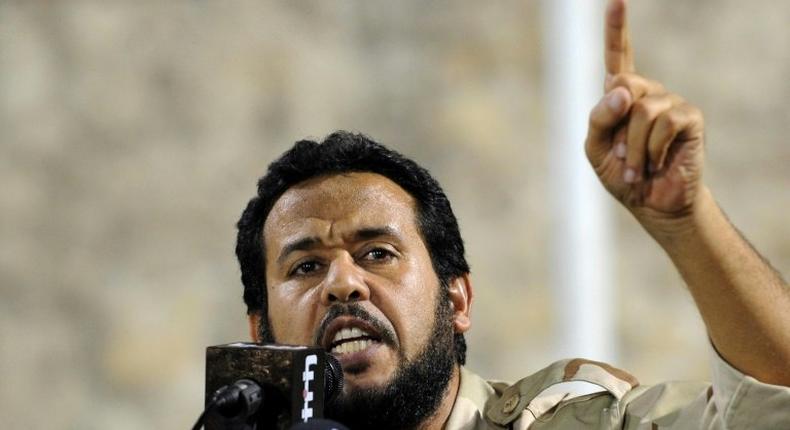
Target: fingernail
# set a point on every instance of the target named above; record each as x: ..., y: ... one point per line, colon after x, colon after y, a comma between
x: 615, y: 101
x: 620, y: 150
x: 629, y: 175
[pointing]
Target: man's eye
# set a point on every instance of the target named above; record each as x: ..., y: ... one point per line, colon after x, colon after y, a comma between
x: 305, y: 268
x: 377, y: 254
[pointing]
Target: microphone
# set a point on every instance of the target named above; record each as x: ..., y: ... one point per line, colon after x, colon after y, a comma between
x: 252, y: 386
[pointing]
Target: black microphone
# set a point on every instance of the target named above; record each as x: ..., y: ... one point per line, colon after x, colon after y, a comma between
x: 252, y: 386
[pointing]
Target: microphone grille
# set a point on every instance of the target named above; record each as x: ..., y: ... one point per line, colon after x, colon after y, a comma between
x: 334, y: 377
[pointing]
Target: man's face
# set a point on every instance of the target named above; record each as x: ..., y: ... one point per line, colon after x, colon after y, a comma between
x: 350, y: 239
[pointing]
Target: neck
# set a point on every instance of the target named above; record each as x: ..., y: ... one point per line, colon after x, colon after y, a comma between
x: 439, y: 418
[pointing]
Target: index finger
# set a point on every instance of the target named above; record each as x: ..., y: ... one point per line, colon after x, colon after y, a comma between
x: 618, y: 56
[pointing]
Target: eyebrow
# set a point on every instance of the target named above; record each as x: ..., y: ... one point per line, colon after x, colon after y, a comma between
x: 308, y: 243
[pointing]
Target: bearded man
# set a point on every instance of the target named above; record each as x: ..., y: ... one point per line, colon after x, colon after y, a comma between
x: 353, y: 247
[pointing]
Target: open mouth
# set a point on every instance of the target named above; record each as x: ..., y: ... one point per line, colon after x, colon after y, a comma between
x: 351, y: 339
x: 348, y: 335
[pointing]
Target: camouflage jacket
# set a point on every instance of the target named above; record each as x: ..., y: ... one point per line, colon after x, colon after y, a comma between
x: 551, y: 399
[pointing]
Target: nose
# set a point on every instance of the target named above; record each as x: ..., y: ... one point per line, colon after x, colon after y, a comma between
x: 344, y: 282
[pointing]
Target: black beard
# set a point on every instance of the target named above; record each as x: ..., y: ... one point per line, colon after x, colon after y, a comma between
x: 416, y: 390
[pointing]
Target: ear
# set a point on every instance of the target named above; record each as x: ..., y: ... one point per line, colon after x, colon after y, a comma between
x: 254, y: 320
x: 460, y: 292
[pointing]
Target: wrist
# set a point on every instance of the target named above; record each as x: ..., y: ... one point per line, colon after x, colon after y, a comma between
x: 688, y: 224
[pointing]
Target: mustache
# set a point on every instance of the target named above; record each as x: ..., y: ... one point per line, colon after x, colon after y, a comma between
x: 355, y: 310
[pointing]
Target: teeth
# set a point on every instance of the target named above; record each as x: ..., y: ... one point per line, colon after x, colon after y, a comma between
x: 353, y: 346
x: 349, y: 333
x: 345, y: 345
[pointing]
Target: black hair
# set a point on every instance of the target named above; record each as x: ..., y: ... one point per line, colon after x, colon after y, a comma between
x: 343, y: 152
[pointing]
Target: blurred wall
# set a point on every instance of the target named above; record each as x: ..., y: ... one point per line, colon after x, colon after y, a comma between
x: 132, y: 134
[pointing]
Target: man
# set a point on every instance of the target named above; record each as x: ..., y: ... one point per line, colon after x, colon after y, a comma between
x: 352, y: 247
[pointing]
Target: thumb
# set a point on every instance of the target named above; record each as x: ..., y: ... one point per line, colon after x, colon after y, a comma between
x: 604, y: 118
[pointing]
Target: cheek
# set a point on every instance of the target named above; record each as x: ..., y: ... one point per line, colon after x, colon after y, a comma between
x: 411, y: 304
x: 293, y: 316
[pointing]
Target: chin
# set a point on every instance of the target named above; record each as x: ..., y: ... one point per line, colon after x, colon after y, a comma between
x: 372, y: 367
x: 366, y: 378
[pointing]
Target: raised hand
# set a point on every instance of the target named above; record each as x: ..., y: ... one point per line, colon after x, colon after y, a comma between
x: 645, y: 143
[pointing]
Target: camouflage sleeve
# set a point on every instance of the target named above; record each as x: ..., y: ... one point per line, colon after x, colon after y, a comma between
x: 746, y: 402
x: 551, y: 399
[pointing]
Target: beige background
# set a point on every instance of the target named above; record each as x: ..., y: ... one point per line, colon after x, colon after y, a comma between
x: 132, y: 134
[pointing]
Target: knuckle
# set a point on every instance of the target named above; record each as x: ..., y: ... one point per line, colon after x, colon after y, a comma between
x: 695, y: 112
x: 620, y: 78
x: 651, y: 107
x: 639, y: 84
x: 642, y: 109
x: 631, y: 81
x: 671, y: 122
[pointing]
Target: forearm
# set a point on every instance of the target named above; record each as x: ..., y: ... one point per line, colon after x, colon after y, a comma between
x: 744, y: 302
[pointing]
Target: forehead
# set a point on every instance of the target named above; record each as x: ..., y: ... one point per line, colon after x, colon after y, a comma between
x: 330, y: 205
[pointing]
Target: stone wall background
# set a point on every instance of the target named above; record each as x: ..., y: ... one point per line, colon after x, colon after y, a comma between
x: 132, y: 134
